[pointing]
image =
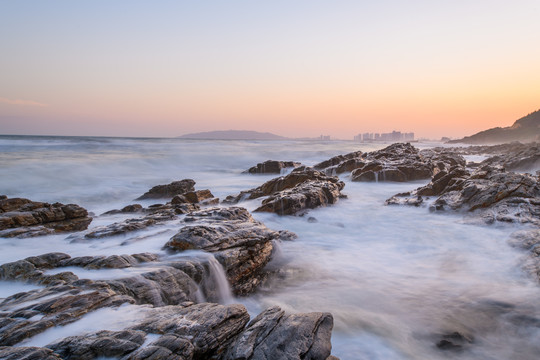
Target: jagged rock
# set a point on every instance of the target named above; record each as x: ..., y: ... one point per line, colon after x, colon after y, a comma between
x: 156, y: 214
x: 106, y: 262
x: 397, y: 162
x: 27, y: 353
x: 209, y: 327
x: 307, y: 195
x: 297, y: 176
x: 27, y: 314
x: 241, y: 244
x: 513, y: 156
x: 496, y: 194
x: 272, y: 334
x: 192, y: 197
x: 24, y: 218
x: 333, y: 163
x: 286, y: 235
x: 165, y: 286
x: 168, y: 346
x: 100, y: 344
x: 134, y: 208
x: 271, y: 167
x: 169, y: 191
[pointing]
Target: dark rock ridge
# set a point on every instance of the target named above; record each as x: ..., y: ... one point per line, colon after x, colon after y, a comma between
x: 170, y: 190
x: 495, y: 195
x: 307, y: 195
x: 241, y: 244
x: 153, y: 215
x: 398, y: 162
x: 512, y: 156
x: 303, y: 188
x: 526, y: 129
x: 271, y: 333
x: 174, y: 327
x: 25, y: 218
x: 272, y: 167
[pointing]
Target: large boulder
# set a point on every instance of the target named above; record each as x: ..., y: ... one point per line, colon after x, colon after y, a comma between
x: 274, y: 186
x: 242, y: 245
x: 401, y: 163
x: 170, y: 190
x: 306, y: 195
x: 271, y: 167
x: 24, y: 218
x: 274, y: 335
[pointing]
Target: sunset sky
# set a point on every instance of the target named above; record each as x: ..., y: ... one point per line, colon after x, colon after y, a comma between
x: 294, y: 68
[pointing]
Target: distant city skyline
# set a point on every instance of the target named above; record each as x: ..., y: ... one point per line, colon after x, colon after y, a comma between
x: 297, y: 69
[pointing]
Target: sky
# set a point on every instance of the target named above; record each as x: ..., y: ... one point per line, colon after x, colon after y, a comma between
x: 294, y: 68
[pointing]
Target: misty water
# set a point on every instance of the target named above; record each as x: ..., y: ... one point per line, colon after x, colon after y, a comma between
x: 395, y: 278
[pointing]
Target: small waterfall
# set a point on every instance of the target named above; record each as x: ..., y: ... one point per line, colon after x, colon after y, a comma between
x: 383, y: 175
x: 219, y: 280
x: 376, y: 176
x: 277, y: 251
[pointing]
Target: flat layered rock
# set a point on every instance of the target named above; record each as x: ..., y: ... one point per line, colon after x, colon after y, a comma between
x: 153, y: 215
x: 25, y: 218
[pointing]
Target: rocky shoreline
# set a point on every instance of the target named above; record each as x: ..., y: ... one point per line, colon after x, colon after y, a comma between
x: 183, y: 301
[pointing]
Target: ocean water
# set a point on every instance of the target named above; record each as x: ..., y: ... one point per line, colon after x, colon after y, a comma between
x: 396, y: 279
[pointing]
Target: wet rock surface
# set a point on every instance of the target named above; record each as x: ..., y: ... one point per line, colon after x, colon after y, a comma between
x: 25, y: 218
x: 307, y: 195
x: 272, y: 167
x: 169, y: 191
x: 302, y: 189
x: 398, y: 162
x: 272, y: 334
x: 490, y: 192
x: 512, y: 156
x: 173, y: 327
x: 241, y: 244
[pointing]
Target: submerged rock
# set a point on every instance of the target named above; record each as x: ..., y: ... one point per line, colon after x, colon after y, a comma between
x: 170, y: 190
x: 25, y: 218
x: 272, y: 167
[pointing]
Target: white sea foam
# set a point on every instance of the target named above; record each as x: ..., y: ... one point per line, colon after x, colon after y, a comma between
x: 391, y: 276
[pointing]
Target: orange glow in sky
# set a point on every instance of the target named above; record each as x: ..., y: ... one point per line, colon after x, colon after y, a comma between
x: 302, y: 69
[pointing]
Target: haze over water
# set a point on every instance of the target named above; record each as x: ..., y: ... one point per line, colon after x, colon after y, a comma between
x: 393, y: 277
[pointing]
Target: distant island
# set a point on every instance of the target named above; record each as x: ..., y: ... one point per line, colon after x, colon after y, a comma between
x: 232, y: 135
x: 526, y: 129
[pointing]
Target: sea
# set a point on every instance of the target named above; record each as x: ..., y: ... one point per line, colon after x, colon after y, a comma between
x: 397, y: 279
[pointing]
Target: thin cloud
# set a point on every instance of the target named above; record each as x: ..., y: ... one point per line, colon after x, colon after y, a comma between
x: 21, y: 102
